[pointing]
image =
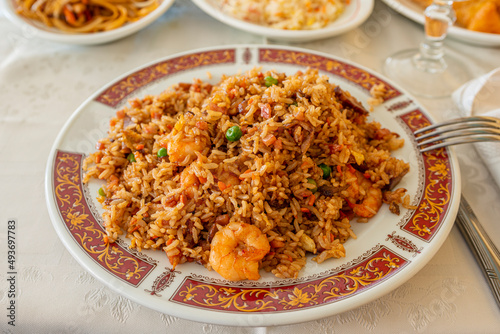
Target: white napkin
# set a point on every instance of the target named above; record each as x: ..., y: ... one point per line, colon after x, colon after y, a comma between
x: 481, y: 96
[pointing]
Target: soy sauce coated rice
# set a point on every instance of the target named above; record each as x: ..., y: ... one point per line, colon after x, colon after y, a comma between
x: 176, y: 203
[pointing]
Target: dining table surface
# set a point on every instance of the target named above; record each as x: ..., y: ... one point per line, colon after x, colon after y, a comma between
x: 42, y: 83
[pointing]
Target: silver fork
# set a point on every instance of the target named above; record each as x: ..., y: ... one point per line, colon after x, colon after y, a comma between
x: 458, y: 131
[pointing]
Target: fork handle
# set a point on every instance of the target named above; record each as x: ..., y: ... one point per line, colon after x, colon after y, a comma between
x: 483, y: 248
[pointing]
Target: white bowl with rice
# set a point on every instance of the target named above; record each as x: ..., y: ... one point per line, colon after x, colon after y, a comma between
x: 345, y: 18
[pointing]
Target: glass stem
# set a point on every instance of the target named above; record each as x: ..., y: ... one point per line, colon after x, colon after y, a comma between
x: 438, y: 18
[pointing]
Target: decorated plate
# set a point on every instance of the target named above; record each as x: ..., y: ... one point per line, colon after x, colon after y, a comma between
x: 354, y: 15
x: 389, y: 249
x: 37, y: 29
x: 416, y: 13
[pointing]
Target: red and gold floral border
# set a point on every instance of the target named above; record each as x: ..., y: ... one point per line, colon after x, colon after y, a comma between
x: 365, y: 274
x: 88, y: 234
x: 352, y: 73
x: 438, y: 185
x: 113, y: 95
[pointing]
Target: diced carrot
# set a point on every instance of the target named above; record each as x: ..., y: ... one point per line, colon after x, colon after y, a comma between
x: 305, y: 210
x: 112, y: 122
x: 221, y: 185
x: 155, y: 115
x: 139, y: 147
x: 120, y: 114
x: 351, y: 169
x: 105, y: 238
x: 169, y: 241
x: 269, y: 140
x: 339, y: 170
x: 367, y: 175
x: 312, y: 198
x: 69, y: 15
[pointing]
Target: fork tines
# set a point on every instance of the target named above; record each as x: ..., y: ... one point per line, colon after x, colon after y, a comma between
x: 458, y: 131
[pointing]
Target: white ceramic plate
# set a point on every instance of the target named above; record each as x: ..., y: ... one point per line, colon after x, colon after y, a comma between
x: 37, y: 29
x: 415, y: 13
x: 389, y: 250
x: 354, y: 15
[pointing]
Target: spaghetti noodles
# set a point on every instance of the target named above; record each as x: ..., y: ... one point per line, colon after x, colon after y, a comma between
x: 85, y: 16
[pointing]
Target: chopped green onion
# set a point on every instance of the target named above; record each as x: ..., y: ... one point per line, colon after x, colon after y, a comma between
x: 326, y: 170
x: 311, y: 181
x: 162, y: 152
x: 131, y: 157
x: 269, y: 81
x: 234, y: 133
x: 101, y: 192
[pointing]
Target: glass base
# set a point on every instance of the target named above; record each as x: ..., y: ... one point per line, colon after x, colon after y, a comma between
x: 427, y: 78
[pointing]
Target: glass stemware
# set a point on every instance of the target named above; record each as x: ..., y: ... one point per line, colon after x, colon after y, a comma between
x: 429, y: 71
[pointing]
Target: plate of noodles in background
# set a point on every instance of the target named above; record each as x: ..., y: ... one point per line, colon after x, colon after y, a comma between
x: 84, y: 21
x: 483, y: 15
x: 294, y: 21
x: 249, y: 185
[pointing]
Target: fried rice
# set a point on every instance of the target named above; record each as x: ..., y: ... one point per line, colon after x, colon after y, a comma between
x: 285, y: 14
x: 307, y: 164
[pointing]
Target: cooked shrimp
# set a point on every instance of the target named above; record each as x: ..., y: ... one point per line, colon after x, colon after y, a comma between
x: 372, y: 200
x: 180, y: 151
x: 236, y: 250
x: 189, y: 181
x: 182, y: 144
x: 370, y: 204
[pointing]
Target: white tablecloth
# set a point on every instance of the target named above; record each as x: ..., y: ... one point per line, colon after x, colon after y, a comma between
x: 42, y: 83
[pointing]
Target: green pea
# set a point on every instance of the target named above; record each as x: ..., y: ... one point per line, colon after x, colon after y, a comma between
x: 269, y: 81
x: 131, y: 157
x: 311, y: 181
x: 327, y: 170
x: 234, y: 133
x: 101, y: 192
x: 162, y: 152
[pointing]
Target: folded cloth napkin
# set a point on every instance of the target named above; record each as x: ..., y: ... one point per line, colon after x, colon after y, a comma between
x: 481, y: 97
